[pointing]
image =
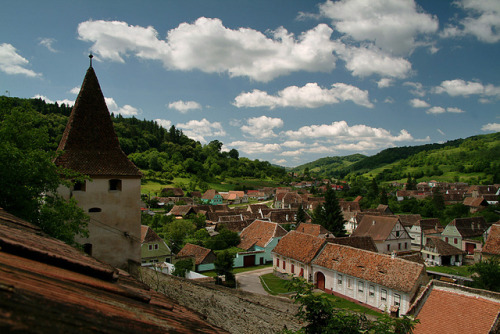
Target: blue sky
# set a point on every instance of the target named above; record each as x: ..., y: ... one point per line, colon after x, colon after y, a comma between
x: 284, y: 81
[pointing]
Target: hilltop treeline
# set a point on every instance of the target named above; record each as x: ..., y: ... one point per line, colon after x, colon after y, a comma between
x: 160, y: 152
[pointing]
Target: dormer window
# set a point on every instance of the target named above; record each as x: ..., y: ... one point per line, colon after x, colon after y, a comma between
x: 115, y: 184
x: 79, y: 186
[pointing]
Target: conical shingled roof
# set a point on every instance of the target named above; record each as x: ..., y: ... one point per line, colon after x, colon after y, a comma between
x: 89, y: 141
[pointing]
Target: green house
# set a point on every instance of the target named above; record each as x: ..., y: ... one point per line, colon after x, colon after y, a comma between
x: 212, y: 197
x: 153, y: 248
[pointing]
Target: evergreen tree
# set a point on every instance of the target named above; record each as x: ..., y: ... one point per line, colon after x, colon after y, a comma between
x: 301, y: 215
x: 224, y: 267
x: 329, y: 214
x: 383, y: 196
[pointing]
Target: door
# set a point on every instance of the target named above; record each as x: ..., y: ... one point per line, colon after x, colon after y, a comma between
x: 320, y: 280
x: 249, y: 261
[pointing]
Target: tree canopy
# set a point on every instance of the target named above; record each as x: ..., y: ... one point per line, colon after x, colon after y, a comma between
x: 329, y: 214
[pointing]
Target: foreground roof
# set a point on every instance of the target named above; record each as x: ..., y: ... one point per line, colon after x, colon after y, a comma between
x: 299, y: 246
x: 394, y: 273
x: 89, y: 142
x: 48, y: 286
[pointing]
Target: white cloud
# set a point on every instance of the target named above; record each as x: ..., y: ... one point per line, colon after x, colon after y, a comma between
x: 126, y: 110
x: 417, y: 103
x: 369, y: 60
x: 482, y: 21
x: 166, y: 124
x: 13, y: 63
x: 198, y: 130
x: 293, y: 144
x: 418, y: 88
x: 392, y: 25
x: 67, y: 102
x: 459, y: 87
x: 495, y: 127
x: 436, y: 110
x: 309, y: 96
x: 262, y: 127
x: 455, y: 110
x: 47, y: 42
x: 75, y: 90
x: 254, y: 147
x: 279, y: 161
x: 184, y: 106
x: 385, y: 82
x: 441, y: 132
x: 208, y: 46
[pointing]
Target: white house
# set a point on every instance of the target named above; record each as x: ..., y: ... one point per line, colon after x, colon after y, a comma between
x: 382, y: 281
x: 437, y: 252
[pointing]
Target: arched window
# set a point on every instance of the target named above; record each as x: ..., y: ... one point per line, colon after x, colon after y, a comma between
x: 95, y: 210
x: 115, y: 184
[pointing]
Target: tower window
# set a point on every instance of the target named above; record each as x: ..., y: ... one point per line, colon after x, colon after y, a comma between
x: 79, y: 186
x: 115, y: 184
x: 87, y: 248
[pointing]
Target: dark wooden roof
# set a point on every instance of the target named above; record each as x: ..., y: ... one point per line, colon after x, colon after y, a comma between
x: 89, y: 142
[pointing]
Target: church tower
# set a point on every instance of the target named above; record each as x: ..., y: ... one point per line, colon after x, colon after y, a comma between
x: 112, y: 196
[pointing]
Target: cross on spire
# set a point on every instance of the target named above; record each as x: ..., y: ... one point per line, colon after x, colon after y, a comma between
x: 91, y: 56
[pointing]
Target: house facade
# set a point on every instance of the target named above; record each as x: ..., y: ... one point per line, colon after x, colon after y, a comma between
x: 465, y: 233
x: 384, y: 282
x: 437, y: 252
x: 112, y: 194
x: 211, y: 197
x: 386, y: 231
x: 203, y: 257
x: 153, y: 248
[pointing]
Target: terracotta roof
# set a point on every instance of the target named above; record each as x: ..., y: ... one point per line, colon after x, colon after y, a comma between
x: 89, y: 142
x: 181, y: 210
x: 442, y: 247
x: 255, y: 207
x: 454, y: 311
x: 365, y: 242
x: 177, y: 192
x: 50, y: 287
x: 470, y: 227
x: 377, y: 227
x: 299, y: 246
x: 209, y: 194
x: 492, y: 245
x: 260, y: 233
x: 394, y: 273
x: 148, y: 235
x: 199, y: 253
x: 312, y: 229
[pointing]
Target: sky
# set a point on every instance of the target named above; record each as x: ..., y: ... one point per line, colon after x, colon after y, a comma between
x: 285, y: 81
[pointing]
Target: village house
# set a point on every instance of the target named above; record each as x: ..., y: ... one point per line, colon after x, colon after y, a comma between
x: 313, y: 229
x: 437, y: 252
x: 422, y: 229
x: 450, y: 308
x: 383, y: 282
x: 258, y: 240
x: 181, y: 211
x: 203, y: 258
x: 211, y: 197
x: 153, y: 248
x: 294, y: 253
x: 465, y: 233
x: 112, y: 195
x: 492, y: 246
x: 365, y: 242
x: 475, y: 204
x: 386, y: 231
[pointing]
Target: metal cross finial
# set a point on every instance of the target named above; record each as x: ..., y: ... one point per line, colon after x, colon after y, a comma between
x: 91, y: 56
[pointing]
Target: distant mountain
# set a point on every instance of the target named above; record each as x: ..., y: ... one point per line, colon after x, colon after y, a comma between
x: 475, y: 159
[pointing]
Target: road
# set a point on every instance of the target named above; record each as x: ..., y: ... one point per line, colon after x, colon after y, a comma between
x: 249, y: 280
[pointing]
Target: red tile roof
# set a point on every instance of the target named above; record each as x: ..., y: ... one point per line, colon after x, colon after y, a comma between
x: 50, y: 287
x: 260, y: 233
x: 492, y: 245
x: 394, y: 273
x: 148, y: 235
x: 455, y: 312
x: 312, y: 229
x: 199, y: 253
x: 377, y: 227
x: 89, y: 142
x: 299, y: 246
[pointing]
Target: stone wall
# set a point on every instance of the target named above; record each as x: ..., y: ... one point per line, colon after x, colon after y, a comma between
x: 233, y: 310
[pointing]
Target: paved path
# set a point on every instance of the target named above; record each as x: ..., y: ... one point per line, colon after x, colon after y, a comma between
x: 250, y: 281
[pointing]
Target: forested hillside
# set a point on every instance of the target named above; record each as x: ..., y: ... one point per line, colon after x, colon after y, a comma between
x: 157, y: 151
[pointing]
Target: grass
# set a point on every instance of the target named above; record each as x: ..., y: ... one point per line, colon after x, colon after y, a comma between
x: 212, y: 273
x: 351, y: 306
x: 452, y: 270
x: 273, y: 284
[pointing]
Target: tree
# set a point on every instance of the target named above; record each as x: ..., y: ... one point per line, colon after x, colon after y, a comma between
x: 329, y: 214
x: 486, y: 274
x: 176, y: 233
x: 224, y: 267
x: 321, y: 315
x: 182, y: 267
x: 383, y: 196
x: 29, y: 179
x: 301, y: 215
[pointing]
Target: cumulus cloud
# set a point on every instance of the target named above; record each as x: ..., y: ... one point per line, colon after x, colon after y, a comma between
x: 199, y: 130
x: 495, y: 127
x: 47, y: 42
x: 459, y: 87
x: 441, y: 110
x: 166, y: 124
x: 293, y: 144
x: 59, y: 102
x: 209, y: 46
x: 393, y: 26
x: 184, y: 106
x: 309, y: 96
x: 417, y: 103
x: 385, y: 82
x: 13, y: 63
x: 255, y: 147
x: 482, y: 21
x: 417, y: 88
x: 75, y: 90
x: 262, y: 127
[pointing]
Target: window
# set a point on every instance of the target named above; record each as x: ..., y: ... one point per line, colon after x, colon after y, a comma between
x: 95, y: 210
x: 284, y: 265
x: 293, y: 269
x: 79, y: 186
x: 455, y: 241
x: 156, y: 246
x: 339, y: 279
x: 115, y: 184
x: 399, y: 245
x: 383, y: 295
x: 87, y: 248
x: 150, y: 247
x: 349, y: 283
x: 406, y: 245
x: 361, y: 286
x: 446, y: 239
x: 372, y: 291
x: 301, y: 274
x: 388, y: 248
x: 278, y: 263
x: 397, y: 234
x: 397, y: 299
